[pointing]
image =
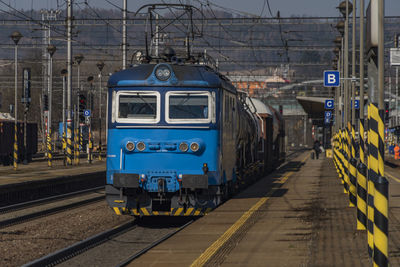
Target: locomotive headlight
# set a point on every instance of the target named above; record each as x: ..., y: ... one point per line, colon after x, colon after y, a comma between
x: 141, y: 146
x: 194, y: 146
x: 183, y: 147
x: 130, y: 146
x: 163, y: 73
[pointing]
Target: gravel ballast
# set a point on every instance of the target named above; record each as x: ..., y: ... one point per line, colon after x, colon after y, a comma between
x: 31, y: 240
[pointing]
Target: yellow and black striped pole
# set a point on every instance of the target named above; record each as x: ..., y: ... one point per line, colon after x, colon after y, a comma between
x: 346, y: 160
x: 335, y: 155
x: 362, y: 184
x: 76, y: 146
x: 49, y: 150
x: 362, y: 197
x: 90, y: 146
x: 81, y: 140
x: 353, y: 170
x: 381, y: 221
x: 69, y: 145
x: 64, y: 146
x: 335, y: 159
x: 362, y: 141
x: 15, y: 161
x: 340, y: 153
x: 373, y: 170
x: 340, y: 157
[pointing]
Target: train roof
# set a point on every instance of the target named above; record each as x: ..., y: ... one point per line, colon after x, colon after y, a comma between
x: 181, y: 76
x: 258, y: 106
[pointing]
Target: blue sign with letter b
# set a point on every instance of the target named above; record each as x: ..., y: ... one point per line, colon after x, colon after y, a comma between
x: 331, y: 78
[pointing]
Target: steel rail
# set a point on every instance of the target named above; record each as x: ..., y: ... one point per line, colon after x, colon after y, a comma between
x: 79, y: 247
x: 152, y: 245
x: 18, y: 206
x: 51, y: 211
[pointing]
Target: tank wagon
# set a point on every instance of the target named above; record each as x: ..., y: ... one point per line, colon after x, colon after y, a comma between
x: 181, y: 139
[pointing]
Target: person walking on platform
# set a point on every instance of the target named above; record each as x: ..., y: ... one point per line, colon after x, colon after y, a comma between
x: 317, y: 148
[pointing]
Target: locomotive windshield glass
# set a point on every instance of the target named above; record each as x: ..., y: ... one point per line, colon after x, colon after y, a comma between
x: 138, y: 107
x: 189, y: 107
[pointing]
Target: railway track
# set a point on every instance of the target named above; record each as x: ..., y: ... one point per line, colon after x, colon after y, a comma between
x: 121, y: 245
x: 115, y: 247
x: 26, y: 211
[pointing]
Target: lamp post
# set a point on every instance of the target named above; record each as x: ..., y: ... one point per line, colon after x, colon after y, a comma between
x: 337, y: 102
x: 336, y: 63
x: 353, y: 66
x: 64, y: 74
x: 16, y: 36
x: 361, y: 131
x: 51, y: 49
x: 100, y: 66
x: 90, y: 102
x: 78, y: 58
x: 339, y: 45
x: 345, y: 8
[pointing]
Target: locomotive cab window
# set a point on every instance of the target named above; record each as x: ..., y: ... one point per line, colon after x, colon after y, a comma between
x: 138, y: 107
x: 190, y: 107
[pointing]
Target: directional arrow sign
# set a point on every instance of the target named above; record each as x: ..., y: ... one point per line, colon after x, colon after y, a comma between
x: 86, y: 113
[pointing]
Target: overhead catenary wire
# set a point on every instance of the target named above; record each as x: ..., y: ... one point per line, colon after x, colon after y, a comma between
x: 26, y: 17
x: 214, y: 48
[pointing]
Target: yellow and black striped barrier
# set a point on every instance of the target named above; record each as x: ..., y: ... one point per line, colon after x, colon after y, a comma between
x: 69, y: 145
x: 361, y: 184
x: 381, y: 185
x: 340, y: 161
x: 49, y: 150
x: 352, y: 170
x: 381, y: 221
x: 346, y: 155
x: 341, y: 157
x: 76, y: 146
x: 78, y: 151
x: 362, y: 197
x: 15, y: 155
x: 362, y: 142
x: 373, y: 143
x: 64, y: 147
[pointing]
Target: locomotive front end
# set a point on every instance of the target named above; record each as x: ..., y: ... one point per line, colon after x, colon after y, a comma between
x: 162, y: 146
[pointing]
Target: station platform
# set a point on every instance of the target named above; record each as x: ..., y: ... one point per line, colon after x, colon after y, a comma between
x: 36, y: 180
x: 38, y: 170
x: 296, y: 216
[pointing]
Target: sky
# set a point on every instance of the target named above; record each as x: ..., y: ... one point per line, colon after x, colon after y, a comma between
x: 287, y: 8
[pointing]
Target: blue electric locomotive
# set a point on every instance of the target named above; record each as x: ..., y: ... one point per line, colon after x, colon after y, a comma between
x: 181, y: 138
